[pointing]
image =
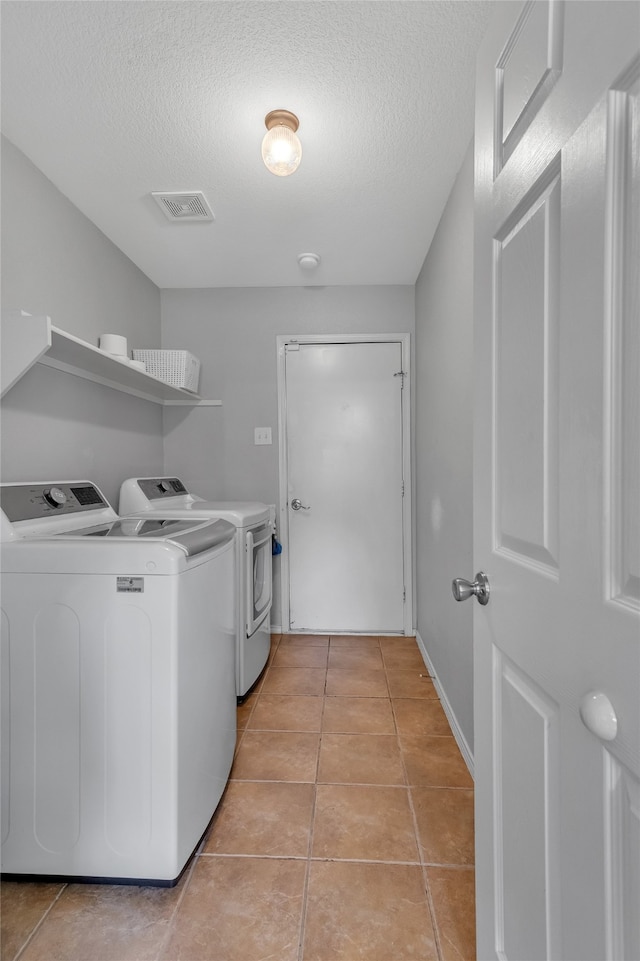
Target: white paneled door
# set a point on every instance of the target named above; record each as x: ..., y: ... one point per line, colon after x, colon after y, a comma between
x: 557, y: 483
x: 343, y: 494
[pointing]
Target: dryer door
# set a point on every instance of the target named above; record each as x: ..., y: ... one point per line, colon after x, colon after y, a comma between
x: 258, y: 560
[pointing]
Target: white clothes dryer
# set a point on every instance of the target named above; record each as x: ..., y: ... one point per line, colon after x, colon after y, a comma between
x: 118, y: 685
x: 255, y: 524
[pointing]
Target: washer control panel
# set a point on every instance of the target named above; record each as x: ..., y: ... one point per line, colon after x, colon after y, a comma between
x: 154, y: 488
x: 22, y: 502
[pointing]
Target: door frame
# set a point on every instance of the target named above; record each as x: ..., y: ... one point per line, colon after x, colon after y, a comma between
x: 283, y: 466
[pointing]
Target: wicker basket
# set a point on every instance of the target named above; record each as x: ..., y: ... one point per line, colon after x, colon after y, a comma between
x: 176, y: 367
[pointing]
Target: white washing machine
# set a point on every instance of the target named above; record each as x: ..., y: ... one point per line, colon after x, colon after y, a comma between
x: 118, y: 685
x: 254, y: 523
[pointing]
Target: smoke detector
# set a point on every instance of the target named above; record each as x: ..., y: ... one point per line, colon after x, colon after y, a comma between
x: 183, y: 205
x: 308, y: 261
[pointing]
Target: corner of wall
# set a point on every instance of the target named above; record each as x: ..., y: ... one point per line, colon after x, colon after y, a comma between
x: 456, y: 730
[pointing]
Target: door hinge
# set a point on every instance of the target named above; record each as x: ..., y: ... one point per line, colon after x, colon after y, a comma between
x: 403, y: 374
x: 402, y: 492
x: 404, y: 595
x: 292, y: 345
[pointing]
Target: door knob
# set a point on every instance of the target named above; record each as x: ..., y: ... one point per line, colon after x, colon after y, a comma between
x: 464, y: 589
x: 598, y: 715
x: 297, y: 505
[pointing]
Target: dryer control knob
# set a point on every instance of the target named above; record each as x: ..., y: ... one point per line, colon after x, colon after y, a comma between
x: 54, y: 496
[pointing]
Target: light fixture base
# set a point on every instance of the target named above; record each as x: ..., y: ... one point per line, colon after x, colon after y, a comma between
x: 284, y: 117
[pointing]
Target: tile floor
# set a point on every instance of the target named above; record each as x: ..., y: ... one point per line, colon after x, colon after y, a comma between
x: 345, y: 832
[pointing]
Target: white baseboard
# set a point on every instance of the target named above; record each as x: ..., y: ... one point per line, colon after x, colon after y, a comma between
x: 448, y: 710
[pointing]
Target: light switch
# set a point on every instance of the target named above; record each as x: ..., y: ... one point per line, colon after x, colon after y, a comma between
x: 262, y: 435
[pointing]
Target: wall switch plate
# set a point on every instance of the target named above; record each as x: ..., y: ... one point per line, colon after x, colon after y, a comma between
x: 262, y: 435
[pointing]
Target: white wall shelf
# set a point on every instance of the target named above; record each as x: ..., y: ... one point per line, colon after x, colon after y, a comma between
x: 28, y: 340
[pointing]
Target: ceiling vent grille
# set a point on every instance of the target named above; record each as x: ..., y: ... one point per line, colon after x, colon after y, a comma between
x: 178, y: 205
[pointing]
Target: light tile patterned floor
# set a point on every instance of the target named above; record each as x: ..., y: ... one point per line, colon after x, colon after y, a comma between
x: 345, y: 832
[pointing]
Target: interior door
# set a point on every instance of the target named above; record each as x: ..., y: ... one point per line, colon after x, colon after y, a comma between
x: 557, y: 483
x: 345, y: 487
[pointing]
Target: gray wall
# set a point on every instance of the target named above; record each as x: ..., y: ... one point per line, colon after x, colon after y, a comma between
x: 233, y: 332
x: 56, y: 262
x: 444, y: 447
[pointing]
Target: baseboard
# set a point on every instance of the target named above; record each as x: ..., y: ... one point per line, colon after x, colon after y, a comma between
x: 448, y: 710
x: 275, y: 629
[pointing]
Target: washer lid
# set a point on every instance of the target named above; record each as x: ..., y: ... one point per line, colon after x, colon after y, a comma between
x: 238, y: 513
x: 169, y: 497
x: 190, y: 536
x: 115, y: 548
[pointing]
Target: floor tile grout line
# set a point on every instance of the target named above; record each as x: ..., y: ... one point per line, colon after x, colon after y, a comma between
x: 321, y: 730
x: 449, y: 867
x: 408, y: 786
x: 187, y: 882
x: 303, y: 907
x: 254, y: 780
x: 393, y: 697
x: 398, y: 861
x: 39, y: 923
x: 259, y: 856
x: 317, y: 859
x: 425, y: 878
x: 307, y: 874
x: 432, y: 912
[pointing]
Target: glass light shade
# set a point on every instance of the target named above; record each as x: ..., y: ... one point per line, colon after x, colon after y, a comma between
x: 281, y: 150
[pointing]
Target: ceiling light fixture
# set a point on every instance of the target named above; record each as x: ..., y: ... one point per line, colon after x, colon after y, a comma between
x: 281, y: 149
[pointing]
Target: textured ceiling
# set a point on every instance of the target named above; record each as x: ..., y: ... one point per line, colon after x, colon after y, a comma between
x: 113, y: 100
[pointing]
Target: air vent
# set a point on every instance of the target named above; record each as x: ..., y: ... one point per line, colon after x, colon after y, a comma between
x: 179, y: 205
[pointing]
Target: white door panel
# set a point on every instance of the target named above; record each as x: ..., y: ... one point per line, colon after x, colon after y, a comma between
x: 557, y: 481
x: 344, y: 435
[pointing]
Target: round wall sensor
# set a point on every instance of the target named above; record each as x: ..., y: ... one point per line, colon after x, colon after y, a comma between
x: 308, y: 261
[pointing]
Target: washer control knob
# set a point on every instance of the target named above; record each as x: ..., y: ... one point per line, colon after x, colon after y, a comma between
x: 54, y: 496
x: 164, y: 486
